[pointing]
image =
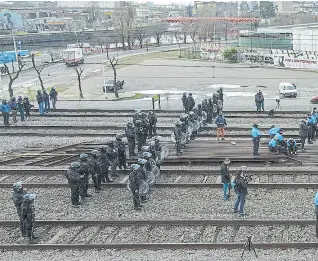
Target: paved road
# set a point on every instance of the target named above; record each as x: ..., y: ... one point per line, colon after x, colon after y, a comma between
x: 60, y: 73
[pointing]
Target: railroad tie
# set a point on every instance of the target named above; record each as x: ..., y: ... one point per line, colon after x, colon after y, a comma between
x: 57, y: 236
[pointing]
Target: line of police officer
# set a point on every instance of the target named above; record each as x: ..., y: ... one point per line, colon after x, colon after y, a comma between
x: 97, y: 165
x: 201, y: 114
x: 142, y: 127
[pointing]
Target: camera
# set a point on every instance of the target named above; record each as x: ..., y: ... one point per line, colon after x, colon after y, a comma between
x: 247, y: 177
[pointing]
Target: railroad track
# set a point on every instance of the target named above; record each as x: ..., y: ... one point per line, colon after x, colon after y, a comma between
x: 162, y: 234
x: 169, y: 178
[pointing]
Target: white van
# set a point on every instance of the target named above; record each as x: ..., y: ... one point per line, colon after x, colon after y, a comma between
x: 287, y: 89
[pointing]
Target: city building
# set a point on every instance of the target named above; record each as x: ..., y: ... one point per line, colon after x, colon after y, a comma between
x: 284, y: 6
x: 204, y: 9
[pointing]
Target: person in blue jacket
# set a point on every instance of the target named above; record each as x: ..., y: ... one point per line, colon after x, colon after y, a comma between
x: 272, y: 145
x: 273, y: 130
x: 39, y: 98
x: 280, y: 141
x: 5, y: 109
x: 309, y: 123
x: 314, y: 126
x: 291, y: 147
x: 256, y: 136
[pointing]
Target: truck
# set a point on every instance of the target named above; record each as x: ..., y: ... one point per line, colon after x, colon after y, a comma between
x: 73, y: 56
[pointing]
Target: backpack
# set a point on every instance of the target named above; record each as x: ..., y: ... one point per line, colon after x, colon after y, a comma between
x: 235, y: 186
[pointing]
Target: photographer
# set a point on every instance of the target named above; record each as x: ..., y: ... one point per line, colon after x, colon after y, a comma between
x: 241, y: 182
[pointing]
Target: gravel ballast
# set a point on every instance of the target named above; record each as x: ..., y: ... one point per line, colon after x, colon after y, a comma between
x: 168, y: 203
x: 167, y: 255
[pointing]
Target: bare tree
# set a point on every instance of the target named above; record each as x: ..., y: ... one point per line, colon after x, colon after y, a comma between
x: 159, y: 29
x: 140, y: 33
x: 177, y: 36
x: 193, y: 29
x: 13, y: 75
x: 113, y: 62
x: 79, y: 72
x: 38, y: 70
x: 124, y: 18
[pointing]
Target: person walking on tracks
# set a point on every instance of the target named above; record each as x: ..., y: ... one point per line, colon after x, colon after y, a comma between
x: 17, y: 197
x: 184, y: 102
x: 226, y: 178
x: 84, y: 171
x: 134, y: 183
x: 28, y: 216
x: 256, y: 136
x: 178, y: 136
x: 73, y: 177
x: 5, y: 109
x: 53, y: 97
x: 240, y: 187
x: 131, y: 138
x: 220, y: 122
x: 303, y: 133
x: 96, y: 165
x: 190, y: 102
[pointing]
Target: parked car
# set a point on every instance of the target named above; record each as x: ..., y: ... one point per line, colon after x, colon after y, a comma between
x: 314, y: 100
x: 109, y: 85
x: 287, y: 89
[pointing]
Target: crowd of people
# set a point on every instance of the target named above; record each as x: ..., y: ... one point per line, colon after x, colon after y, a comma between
x: 195, y: 118
x: 102, y: 164
x: 22, y: 106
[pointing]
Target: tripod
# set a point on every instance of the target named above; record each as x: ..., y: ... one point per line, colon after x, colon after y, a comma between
x: 248, y: 245
x: 278, y: 107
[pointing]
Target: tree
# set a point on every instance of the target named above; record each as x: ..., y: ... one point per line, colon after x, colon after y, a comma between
x: 230, y: 54
x: 13, y: 75
x: 124, y: 18
x: 267, y: 9
x: 38, y: 70
x: 140, y: 33
x: 103, y: 43
x: 159, y: 29
x: 79, y: 72
x: 113, y: 62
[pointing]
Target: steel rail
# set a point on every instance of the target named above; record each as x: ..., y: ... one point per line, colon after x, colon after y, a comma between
x: 163, y: 171
x: 177, y: 185
x: 112, y: 135
x: 257, y: 116
x: 114, y: 127
x: 171, y: 222
x: 115, y: 111
x: 168, y: 245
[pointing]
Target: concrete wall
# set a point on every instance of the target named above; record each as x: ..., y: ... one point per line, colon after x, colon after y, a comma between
x: 305, y: 39
x: 266, y: 43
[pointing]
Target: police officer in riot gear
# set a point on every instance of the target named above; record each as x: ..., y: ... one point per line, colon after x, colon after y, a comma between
x: 145, y: 125
x: 190, y: 102
x: 17, y: 197
x: 134, y: 183
x: 131, y: 137
x: 142, y: 175
x: 137, y: 116
x: 178, y: 136
x: 28, y: 216
x: 121, y: 148
x: 139, y: 134
x: 73, y: 178
x: 147, y: 156
x: 112, y: 155
x: 152, y: 118
x: 84, y: 171
x: 105, y: 164
x: 97, y: 166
